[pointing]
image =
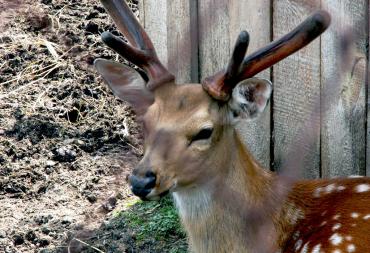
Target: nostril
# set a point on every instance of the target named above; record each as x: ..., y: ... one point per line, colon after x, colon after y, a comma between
x: 150, y: 180
x: 149, y: 174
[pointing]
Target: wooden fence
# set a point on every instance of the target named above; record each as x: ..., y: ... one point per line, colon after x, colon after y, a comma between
x: 194, y: 38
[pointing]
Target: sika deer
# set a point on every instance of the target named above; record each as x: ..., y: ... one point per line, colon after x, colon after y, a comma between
x: 226, y: 200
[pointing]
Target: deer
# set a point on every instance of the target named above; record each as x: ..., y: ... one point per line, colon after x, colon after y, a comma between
x: 226, y: 200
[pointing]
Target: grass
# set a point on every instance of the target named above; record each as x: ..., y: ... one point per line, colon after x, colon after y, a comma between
x: 155, y: 221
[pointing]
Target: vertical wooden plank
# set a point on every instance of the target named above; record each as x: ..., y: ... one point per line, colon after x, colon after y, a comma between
x: 220, y: 23
x: 343, y: 124
x: 296, y: 90
x: 254, y: 16
x: 172, y: 26
x: 368, y: 94
x: 214, y: 41
x: 155, y: 23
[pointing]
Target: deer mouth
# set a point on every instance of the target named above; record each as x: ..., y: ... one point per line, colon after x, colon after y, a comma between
x: 155, y: 194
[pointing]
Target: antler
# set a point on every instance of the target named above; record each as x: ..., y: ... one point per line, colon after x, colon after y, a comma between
x: 220, y: 85
x: 142, y: 52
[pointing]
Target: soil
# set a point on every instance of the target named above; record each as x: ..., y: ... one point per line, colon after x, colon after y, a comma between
x: 66, y: 143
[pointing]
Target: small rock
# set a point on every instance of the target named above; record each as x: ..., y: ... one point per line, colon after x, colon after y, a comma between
x: 15, y: 188
x: 92, y: 14
x: 2, y: 234
x: 92, y: 27
x: 99, y: 8
x: 90, y: 38
x: 79, y: 142
x: 30, y: 236
x: 2, y: 131
x: 39, y: 22
x: 50, y: 163
x: 2, y: 160
x: 18, y: 239
x: 91, y: 198
x: 110, y: 204
x: 18, y: 113
x: 47, y: 2
x: 64, y: 154
x: 67, y: 220
x: 68, y: 141
x: 42, y: 189
x: 5, y: 39
x: 45, y: 230
x: 42, y: 219
x: 43, y: 242
x: 73, y: 166
x: 49, y: 170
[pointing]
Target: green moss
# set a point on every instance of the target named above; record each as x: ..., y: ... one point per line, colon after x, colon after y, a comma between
x: 158, y: 221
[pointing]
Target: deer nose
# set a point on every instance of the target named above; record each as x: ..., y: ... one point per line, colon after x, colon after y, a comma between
x: 141, y: 186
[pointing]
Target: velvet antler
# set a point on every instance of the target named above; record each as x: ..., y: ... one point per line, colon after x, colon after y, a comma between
x: 142, y: 52
x: 220, y: 85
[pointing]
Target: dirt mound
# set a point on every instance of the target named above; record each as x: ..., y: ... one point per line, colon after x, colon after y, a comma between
x: 66, y: 143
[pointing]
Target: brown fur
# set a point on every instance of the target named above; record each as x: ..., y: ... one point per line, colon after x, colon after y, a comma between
x: 227, y: 201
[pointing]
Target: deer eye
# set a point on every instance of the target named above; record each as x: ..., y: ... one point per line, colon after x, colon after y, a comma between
x: 203, y: 134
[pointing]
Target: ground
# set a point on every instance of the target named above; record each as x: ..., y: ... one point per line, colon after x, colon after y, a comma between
x: 67, y: 144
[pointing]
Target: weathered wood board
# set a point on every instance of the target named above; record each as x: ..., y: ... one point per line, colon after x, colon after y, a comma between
x: 172, y: 26
x: 296, y: 91
x: 220, y: 23
x: 343, y: 134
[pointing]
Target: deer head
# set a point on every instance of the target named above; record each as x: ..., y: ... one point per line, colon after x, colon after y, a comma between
x: 188, y: 128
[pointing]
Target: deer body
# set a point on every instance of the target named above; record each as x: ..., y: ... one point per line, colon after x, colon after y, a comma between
x: 317, y: 216
x: 226, y: 201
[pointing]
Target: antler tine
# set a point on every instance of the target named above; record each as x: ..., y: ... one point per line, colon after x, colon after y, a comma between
x: 232, y: 70
x: 142, y: 52
x: 219, y: 87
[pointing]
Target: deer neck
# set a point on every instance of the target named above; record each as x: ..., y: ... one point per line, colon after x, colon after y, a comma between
x: 215, y: 214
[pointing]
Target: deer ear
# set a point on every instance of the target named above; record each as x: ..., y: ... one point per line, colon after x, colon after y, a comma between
x: 249, y: 98
x: 126, y: 83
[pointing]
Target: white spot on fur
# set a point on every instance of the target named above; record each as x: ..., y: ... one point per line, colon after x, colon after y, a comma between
x: 336, y: 239
x: 362, y: 188
x: 323, y: 223
x: 296, y: 235
x: 329, y: 188
x: 337, y: 251
x: 305, y: 248
x: 336, y: 217
x: 317, y: 192
x: 298, y: 244
x: 336, y: 226
x: 294, y: 214
x: 355, y: 176
x: 341, y: 188
x: 355, y: 215
x: 316, y: 249
x: 348, y: 238
x: 367, y: 216
x: 351, y: 248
